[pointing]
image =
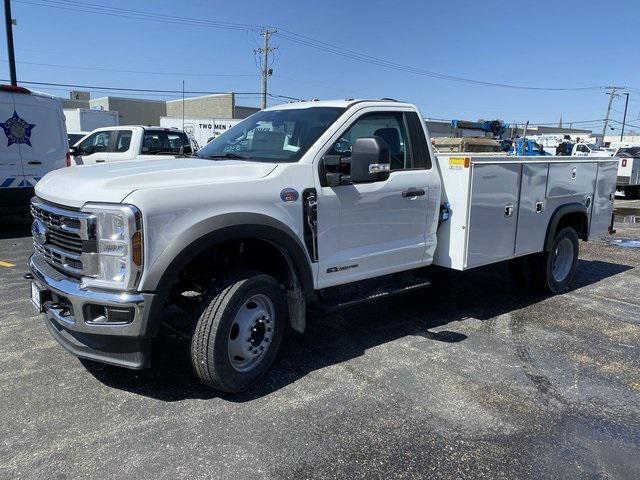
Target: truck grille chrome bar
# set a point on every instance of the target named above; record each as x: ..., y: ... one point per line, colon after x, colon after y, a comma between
x: 60, y: 235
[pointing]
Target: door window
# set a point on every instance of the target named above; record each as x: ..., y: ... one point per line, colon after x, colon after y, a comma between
x: 123, y: 141
x: 388, y: 126
x: 163, y: 142
x: 97, y: 142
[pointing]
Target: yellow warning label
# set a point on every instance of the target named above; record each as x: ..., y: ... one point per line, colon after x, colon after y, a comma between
x: 456, y: 163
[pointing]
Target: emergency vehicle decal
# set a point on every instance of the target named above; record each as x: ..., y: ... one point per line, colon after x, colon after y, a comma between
x: 17, y: 130
x: 18, y: 181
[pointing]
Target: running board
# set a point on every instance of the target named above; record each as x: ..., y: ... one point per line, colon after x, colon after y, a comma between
x: 330, y: 303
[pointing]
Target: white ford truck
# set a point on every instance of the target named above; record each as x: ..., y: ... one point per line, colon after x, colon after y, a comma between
x: 130, y: 142
x: 334, y: 202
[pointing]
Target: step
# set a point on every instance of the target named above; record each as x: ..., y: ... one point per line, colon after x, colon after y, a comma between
x: 338, y: 301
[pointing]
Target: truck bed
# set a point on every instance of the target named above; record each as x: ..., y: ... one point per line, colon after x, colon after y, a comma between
x: 501, y: 206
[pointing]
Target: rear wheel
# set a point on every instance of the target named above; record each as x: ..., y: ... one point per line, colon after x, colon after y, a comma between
x: 239, y: 332
x: 553, y: 270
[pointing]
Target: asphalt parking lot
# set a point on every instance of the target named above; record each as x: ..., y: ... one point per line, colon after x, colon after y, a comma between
x: 471, y: 378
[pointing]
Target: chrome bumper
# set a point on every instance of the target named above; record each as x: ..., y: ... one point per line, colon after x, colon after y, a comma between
x: 68, y: 318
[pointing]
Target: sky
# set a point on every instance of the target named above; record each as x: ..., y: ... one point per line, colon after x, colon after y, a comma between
x: 339, y: 49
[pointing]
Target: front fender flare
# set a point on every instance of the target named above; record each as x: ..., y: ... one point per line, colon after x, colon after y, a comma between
x: 224, y: 228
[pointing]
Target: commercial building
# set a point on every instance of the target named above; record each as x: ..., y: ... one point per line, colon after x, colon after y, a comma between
x: 132, y: 111
x: 209, y: 106
x: 139, y: 111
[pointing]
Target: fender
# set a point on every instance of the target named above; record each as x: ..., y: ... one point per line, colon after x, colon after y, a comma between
x: 558, y: 215
x: 224, y: 228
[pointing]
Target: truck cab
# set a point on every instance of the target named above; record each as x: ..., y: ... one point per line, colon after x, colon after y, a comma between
x: 129, y: 142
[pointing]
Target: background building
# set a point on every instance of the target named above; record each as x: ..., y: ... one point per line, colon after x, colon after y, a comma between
x: 132, y: 111
x: 209, y: 106
x: 443, y: 128
x: 138, y: 111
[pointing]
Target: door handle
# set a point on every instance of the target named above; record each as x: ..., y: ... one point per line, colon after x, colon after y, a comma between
x: 508, y: 210
x: 35, y: 162
x: 413, y: 192
x: 99, y: 161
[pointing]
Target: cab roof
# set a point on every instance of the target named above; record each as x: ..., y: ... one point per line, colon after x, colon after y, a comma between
x: 346, y: 103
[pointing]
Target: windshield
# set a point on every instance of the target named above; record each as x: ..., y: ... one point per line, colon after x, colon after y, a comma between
x: 629, y: 152
x: 273, y: 135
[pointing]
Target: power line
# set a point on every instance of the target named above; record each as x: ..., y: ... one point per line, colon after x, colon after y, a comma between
x: 137, y: 14
x: 288, y: 35
x: 148, y: 90
x: 146, y: 72
x: 330, y: 48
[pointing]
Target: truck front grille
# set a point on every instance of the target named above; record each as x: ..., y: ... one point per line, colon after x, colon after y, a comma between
x: 59, y: 235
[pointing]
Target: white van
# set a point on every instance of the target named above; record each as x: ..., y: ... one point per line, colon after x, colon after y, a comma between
x: 33, y: 141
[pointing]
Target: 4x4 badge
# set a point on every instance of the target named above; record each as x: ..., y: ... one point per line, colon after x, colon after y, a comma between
x: 17, y: 130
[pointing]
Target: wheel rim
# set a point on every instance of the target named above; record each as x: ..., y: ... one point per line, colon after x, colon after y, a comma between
x: 251, y: 333
x: 562, y: 260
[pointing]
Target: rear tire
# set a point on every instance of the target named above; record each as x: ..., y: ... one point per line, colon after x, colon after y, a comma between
x: 239, y: 331
x: 553, y: 270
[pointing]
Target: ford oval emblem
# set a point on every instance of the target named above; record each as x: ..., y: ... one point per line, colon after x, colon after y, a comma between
x: 289, y: 195
x: 39, y: 232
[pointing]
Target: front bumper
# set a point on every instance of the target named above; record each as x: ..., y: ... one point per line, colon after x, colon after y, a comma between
x: 70, y: 316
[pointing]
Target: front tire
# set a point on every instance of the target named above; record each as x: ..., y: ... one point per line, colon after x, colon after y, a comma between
x: 239, y: 331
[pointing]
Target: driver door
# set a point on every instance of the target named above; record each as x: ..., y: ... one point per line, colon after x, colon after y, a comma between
x: 371, y: 229
x: 95, y: 148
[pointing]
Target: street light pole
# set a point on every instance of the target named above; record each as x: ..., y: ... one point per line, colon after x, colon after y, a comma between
x: 624, y: 118
x: 9, y: 27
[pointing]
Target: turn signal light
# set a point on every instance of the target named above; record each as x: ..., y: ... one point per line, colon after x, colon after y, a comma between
x: 136, y: 248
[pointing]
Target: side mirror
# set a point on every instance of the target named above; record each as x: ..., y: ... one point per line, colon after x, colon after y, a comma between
x: 186, y: 150
x: 74, y: 151
x: 370, y: 160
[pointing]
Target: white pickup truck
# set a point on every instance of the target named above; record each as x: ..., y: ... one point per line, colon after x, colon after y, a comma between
x: 334, y: 202
x: 130, y: 142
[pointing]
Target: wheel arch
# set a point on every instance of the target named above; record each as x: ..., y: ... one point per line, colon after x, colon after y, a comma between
x: 570, y: 215
x: 236, y: 227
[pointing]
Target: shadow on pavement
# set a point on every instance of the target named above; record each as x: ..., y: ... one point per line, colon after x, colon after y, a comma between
x: 15, y: 226
x: 483, y: 294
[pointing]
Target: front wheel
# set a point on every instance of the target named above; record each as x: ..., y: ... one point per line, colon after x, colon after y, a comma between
x: 239, y: 332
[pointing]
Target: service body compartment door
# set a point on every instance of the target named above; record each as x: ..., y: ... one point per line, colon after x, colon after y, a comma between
x: 533, y: 216
x: 493, y: 213
x: 603, y: 198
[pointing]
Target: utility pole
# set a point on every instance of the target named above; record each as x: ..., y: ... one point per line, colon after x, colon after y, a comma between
x: 624, y: 118
x: 9, y: 22
x: 606, y: 118
x: 266, y: 72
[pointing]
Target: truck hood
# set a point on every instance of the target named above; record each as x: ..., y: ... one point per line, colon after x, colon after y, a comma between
x: 112, y: 182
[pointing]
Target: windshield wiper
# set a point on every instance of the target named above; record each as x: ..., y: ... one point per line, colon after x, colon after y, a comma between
x: 226, y: 155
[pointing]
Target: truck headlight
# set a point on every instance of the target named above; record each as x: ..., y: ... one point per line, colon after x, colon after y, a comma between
x: 118, y: 249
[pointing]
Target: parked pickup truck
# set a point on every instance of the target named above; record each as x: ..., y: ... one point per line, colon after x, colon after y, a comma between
x: 128, y: 142
x: 332, y: 202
